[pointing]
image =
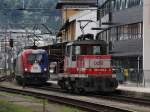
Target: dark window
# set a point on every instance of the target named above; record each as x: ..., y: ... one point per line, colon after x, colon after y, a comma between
x: 124, y: 3
x: 68, y: 50
x: 118, y: 4
x: 114, y: 5
x: 33, y: 58
x: 124, y: 32
x: 90, y: 50
x: 137, y: 2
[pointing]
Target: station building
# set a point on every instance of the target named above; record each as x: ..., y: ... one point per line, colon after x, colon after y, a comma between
x: 71, y: 13
x: 121, y: 25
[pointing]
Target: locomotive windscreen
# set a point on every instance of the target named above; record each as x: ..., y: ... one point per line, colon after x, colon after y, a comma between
x: 89, y: 50
x: 32, y: 58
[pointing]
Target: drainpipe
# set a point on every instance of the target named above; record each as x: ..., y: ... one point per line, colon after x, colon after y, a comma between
x: 138, y: 58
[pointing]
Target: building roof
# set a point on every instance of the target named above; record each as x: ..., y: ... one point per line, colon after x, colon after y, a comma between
x: 88, y: 3
x: 132, y: 47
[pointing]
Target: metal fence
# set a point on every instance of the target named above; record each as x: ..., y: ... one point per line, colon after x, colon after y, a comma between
x: 133, y: 77
x: 130, y: 76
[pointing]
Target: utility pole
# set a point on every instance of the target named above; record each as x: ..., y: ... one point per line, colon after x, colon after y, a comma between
x: 98, y: 18
x: 5, y: 51
x: 23, y: 4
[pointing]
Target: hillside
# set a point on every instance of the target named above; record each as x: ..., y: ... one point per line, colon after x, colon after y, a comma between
x: 36, y: 12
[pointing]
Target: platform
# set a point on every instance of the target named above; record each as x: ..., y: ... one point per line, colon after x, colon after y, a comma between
x: 52, y: 82
x: 130, y: 88
x: 134, y: 89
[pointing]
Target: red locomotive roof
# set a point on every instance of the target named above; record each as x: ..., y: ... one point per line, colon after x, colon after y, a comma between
x: 28, y: 51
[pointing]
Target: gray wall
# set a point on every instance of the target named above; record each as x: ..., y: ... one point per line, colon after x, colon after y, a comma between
x: 128, y: 16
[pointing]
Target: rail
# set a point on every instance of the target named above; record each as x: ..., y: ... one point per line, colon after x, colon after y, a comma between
x: 110, y: 96
x: 85, y: 105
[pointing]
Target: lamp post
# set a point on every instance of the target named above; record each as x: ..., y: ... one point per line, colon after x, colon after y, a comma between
x: 23, y: 4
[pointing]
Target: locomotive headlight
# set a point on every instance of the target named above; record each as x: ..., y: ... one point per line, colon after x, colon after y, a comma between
x: 26, y: 69
x: 51, y: 71
x: 45, y: 69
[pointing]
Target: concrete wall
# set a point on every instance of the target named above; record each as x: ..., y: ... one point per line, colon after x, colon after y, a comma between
x: 146, y: 42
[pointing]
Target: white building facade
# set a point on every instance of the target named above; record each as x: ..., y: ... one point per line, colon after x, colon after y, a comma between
x: 85, y: 21
x: 146, y: 40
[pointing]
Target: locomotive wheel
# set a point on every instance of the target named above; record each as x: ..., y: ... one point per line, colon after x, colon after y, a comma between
x: 76, y: 89
x: 19, y: 82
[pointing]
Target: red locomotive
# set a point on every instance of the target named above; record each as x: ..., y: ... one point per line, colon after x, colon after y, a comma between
x: 87, y: 67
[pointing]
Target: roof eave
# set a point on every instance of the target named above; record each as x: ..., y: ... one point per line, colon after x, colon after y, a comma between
x: 61, y: 3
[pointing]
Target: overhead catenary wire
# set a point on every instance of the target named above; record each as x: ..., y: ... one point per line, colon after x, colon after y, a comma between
x: 91, y: 8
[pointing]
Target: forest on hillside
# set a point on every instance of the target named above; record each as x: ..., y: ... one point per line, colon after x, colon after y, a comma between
x: 28, y: 13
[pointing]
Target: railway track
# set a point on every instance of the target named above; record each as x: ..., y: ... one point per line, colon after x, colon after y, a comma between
x: 4, y: 78
x: 127, y: 99
x: 85, y: 105
x: 114, y: 96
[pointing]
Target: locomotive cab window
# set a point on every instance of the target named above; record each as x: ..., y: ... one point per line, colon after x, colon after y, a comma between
x: 76, y: 50
x: 96, y: 50
x: 89, y: 50
x: 32, y: 58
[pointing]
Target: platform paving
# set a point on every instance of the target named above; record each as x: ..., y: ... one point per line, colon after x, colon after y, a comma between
x: 126, y: 87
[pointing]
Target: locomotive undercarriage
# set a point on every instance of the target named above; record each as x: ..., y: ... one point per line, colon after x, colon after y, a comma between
x: 31, y: 78
x: 90, y: 84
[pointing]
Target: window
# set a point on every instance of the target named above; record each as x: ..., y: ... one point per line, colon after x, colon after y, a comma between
x: 124, y: 32
x: 96, y: 50
x: 113, y: 33
x: 68, y: 50
x: 89, y: 50
x: 141, y: 2
x: 115, y: 5
x: 132, y: 3
x: 112, y: 5
x: 124, y: 2
x: 77, y: 50
x: 85, y: 50
x: 137, y: 2
x: 33, y: 58
x: 118, y: 4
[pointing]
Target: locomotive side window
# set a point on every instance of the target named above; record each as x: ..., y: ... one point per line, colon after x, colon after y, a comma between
x: 77, y: 50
